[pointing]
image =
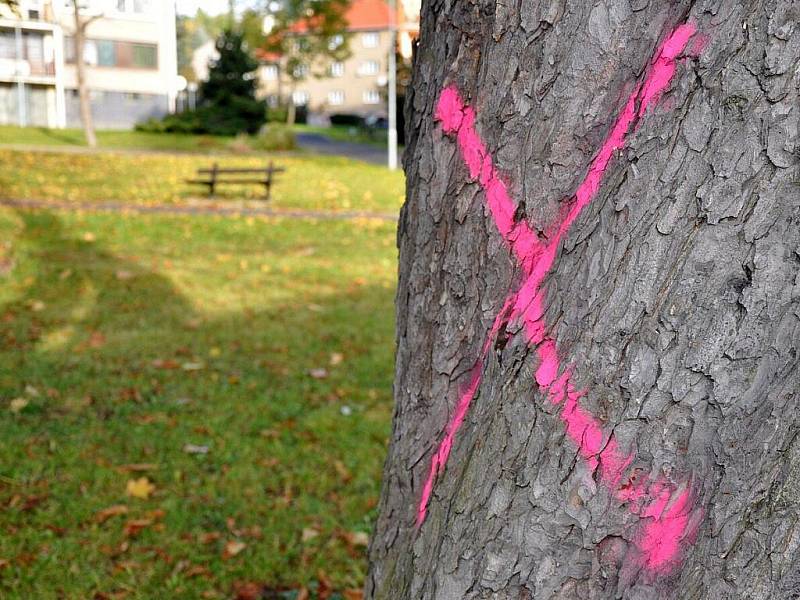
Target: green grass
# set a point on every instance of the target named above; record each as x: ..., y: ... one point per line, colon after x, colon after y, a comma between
x: 130, y: 140
x: 125, y: 338
x: 310, y: 182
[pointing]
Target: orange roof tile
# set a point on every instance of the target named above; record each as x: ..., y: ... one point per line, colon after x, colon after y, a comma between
x: 360, y: 15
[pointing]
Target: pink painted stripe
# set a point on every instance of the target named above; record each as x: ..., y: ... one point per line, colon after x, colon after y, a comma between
x: 669, y: 521
x: 439, y: 458
x: 459, y: 120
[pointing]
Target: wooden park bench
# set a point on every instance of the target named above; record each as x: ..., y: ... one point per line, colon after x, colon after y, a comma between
x: 215, y: 176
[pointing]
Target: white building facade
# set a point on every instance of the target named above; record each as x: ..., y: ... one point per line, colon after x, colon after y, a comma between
x: 130, y: 56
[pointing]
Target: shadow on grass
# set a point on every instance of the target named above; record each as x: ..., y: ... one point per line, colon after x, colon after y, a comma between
x: 59, y: 136
x: 128, y: 371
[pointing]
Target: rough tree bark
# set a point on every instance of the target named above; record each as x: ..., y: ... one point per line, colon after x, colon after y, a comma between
x: 633, y: 427
x: 81, y: 25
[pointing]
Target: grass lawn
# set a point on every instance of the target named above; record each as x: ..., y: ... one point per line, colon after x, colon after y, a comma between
x: 310, y: 182
x: 240, y: 367
x: 42, y: 136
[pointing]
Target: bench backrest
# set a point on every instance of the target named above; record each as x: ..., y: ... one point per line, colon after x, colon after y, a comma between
x: 215, y: 170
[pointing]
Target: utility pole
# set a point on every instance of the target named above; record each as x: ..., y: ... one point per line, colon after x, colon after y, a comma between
x: 392, y: 81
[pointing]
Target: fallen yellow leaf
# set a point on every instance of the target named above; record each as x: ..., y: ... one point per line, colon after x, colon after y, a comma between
x: 140, y: 488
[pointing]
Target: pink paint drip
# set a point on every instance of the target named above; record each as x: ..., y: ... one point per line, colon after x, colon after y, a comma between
x: 668, y: 522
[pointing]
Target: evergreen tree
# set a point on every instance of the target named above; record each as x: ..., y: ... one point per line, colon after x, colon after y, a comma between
x: 228, y: 98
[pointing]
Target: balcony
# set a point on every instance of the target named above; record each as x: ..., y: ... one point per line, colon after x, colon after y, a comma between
x: 11, y: 69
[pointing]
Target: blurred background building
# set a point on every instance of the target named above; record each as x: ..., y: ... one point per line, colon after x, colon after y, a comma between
x: 356, y: 85
x: 130, y: 53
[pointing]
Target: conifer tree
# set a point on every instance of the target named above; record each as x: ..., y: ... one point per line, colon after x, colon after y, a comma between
x: 228, y: 98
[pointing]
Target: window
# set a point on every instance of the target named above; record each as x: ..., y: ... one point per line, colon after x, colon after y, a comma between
x: 90, y: 53
x: 106, y: 53
x: 300, y: 98
x: 370, y: 39
x: 273, y: 101
x: 336, y: 98
x: 300, y: 71
x: 269, y: 72
x: 8, y: 45
x: 137, y: 7
x: 369, y: 67
x: 145, y: 56
x: 372, y: 97
x: 109, y: 53
x: 336, y: 41
x: 141, y: 6
x: 337, y: 69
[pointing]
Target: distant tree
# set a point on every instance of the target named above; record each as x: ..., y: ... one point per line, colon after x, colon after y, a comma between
x: 251, y: 25
x: 228, y: 98
x: 309, y: 35
x: 213, y: 25
x: 81, y: 25
x: 190, y: 36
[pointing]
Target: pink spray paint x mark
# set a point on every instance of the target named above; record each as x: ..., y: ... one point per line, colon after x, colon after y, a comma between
x: 667, y: 512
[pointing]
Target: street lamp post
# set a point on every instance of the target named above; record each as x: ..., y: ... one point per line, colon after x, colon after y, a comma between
x: 392, y: 85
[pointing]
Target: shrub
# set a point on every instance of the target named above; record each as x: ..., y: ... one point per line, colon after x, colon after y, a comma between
x: 271, y: 138
x: 274, y: 137
x: 240, y: 144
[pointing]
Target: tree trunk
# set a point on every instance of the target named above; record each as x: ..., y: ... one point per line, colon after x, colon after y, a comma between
x: 597, y: 318
x: 80, y: 67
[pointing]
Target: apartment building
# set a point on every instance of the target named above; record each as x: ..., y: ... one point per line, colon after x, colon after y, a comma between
x: 356, y: 85
x: 130, y: 56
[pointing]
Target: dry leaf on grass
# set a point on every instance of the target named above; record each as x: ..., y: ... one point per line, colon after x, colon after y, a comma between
x: 112, y: 511
x: 325, y: 588
x: 357, y: 538
x: 137, y: 468
x: 247, y: 590
x: 133, y: 528
x: 318, y: 373
x: 140, y: 488
x: 309, y: 534
x: 233, y: 548
x: 196, y: 571
x: 210, y: 537
x: 17, y: 405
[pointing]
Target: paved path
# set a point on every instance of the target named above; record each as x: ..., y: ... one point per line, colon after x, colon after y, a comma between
x: 194, y: 209
x: 311, y: 142
x: 319, y: 144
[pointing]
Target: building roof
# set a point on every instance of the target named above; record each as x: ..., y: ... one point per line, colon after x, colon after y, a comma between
x: 361, y: 15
